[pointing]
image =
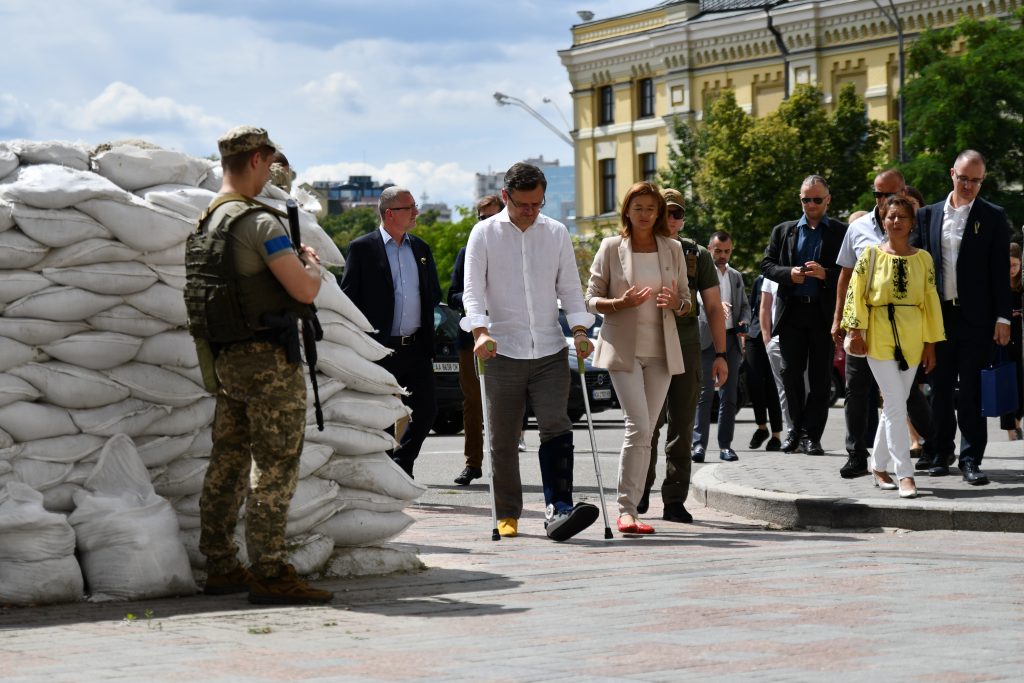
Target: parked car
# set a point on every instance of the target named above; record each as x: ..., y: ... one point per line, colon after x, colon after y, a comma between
x: 446, y: 376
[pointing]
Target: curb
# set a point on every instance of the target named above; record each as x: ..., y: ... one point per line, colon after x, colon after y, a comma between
x: 790, y: 510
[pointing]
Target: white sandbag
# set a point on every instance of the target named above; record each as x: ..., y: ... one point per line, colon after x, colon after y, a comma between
x: 13, y: 353
x: 70, y: 154
x: 63, y: 449
x: 361, y: 527
x: 15, y: 284
x: 184, y: 420
x: 310, y: 231
x: 161, y: 301
x: 346, y: 334
x: 19, y: 251
x: 194, y: 374
x: 187, y: 510
x: 170, y: 256
x: 69, y: 386
x: 214, y: 177
x: 40, y: 474
x: 57, y: 227
x: 26, y: 421
x: 6, y: 441
x: 127, y: 535
x: 360, y: 499
x: 92, y: 250
x: 374, y: 472
x: 8, y: 160
x: 374, y: 411
x: 202, y: 446
x: 36, y: 332
x: 171, y: 275
x: 182, y: 199
x: 128, y: 320
x: 345, y: 365
x: 157, y: 451
x: 47, y: 186
x: 155, y: 384
x: 182, y: 477
x: 326, y: 387
x: 61, y: 498
x: 14, y: 388
x: 80, y: 473
x: 134, y: 167
x: 63, y: 304
x: 130, y: 417
x: 331, y: 298
x: 314, y: 456
x: 95, y: 350
x: 37, y: 562
x: 137, y: 223
x: 117, y: 278
x: 350, y: 439
x: 309, y: 553
x: 312, y: 494
x: 174, y: 347
x: 371, y: 561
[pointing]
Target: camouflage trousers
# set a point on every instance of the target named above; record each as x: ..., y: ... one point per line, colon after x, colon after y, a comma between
x: 258, y: 430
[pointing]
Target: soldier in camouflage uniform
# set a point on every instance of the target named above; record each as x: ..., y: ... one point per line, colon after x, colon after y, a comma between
x: 261, y: 400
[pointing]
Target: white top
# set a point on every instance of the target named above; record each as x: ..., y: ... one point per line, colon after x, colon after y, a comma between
x: 772, y: 287
x: 862, y: 233
x: 953, y: 223
x: 650, y: 342
x: 725, y: 291
x: 514, y: 282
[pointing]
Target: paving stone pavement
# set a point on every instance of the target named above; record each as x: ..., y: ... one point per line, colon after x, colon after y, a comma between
x: 726, y: 598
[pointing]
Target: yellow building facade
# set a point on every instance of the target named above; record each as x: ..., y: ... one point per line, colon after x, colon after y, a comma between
x: 631, y: 75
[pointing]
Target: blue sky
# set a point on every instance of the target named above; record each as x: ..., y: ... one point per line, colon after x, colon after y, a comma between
x: 400, y: 90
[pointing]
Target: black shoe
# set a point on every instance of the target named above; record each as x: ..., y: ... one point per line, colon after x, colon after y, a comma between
x: 468, y: 475
x: 759, y: 437
x: 923, y: 463
x: 698, y: 454
x: 974, y: 476
x: 675, y: 512
x: 791, y: 444
x: 561, y: 526
x: 938, y: 471
x: 728, y: 455
x: 645, y: 502
x: 812, y: 447
x: 773, y: 445
x: 856, y: 466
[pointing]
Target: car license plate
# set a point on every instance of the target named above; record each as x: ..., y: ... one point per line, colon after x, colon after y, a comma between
x: 602, y: 394
x: 446, y: 367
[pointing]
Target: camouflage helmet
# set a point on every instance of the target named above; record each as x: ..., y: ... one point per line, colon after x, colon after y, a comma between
x: 673, y: 197
x: 244, y: 139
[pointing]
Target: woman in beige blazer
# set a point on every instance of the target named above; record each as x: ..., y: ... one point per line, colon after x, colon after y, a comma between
x: 638, y: 282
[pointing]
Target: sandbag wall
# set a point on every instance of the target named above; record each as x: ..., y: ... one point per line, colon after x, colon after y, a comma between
x: 93, y: 345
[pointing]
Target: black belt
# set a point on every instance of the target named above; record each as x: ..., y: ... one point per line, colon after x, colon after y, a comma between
x: 730, y: 330
x: 402, y: 341
x: 952, y: 302
x: 804, y: 299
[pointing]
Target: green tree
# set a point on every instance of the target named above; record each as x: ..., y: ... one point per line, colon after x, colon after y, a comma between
x: 350, y: 224
x: 967, y: 92
x: 446, y: 239
x: 684, y: 158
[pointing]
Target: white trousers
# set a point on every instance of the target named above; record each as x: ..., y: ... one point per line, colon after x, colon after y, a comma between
x: 775, y: 360
x: 892, y: 440
x: 641, y: 393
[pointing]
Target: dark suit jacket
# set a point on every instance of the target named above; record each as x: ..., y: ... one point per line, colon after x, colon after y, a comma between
x: 367, y: 282
x: 982, y: 285
x: 458, y: 286
x: 780, y: 257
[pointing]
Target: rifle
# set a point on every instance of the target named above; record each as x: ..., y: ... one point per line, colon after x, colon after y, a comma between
x: 312, y: 332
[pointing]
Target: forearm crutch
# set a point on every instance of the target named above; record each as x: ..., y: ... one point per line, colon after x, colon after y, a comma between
x: 593, y: 438
x: 489, y: 461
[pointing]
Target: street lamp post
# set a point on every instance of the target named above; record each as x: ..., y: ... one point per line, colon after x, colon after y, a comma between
x: 505, y: 100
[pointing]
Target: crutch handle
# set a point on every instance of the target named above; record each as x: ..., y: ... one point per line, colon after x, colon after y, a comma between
x: 584, y: 346
x: 490, y: 346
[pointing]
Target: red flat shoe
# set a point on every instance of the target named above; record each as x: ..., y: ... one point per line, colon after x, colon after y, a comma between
x: 642, y: 528
x: 627, y: 528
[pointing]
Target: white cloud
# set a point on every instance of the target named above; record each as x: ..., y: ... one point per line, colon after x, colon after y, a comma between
x: 445, y: 182
x: 122, y: 105
x: 337, y: 89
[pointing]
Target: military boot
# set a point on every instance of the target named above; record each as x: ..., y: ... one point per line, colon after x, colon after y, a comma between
x: 286, y: 589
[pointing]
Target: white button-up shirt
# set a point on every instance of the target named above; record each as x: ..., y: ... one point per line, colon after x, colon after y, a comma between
x: 725, y: 291
x: 863, y: 233
x: 953, y: 223
x: 514, y: 281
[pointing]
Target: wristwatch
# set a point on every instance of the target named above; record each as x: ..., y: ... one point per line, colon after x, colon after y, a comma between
x: 720, y: 354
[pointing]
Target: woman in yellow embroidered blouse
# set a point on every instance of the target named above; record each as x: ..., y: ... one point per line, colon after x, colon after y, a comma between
x: 892, y: 313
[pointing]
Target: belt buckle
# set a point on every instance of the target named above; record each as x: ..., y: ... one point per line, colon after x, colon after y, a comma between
x: 406, y: 341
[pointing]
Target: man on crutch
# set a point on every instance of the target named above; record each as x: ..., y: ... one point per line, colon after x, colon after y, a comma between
x: 519, y: 264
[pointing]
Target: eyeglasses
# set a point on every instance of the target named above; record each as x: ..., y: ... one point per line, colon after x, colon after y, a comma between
x: 964, y: 180
x: 527, y: 207
x: 879, y: 195
x: 808, y: 200
x: 413, y: 207
x: 676, y: 214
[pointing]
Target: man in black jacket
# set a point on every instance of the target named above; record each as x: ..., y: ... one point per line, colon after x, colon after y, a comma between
x: 391, y: 277
x: 801, y: 257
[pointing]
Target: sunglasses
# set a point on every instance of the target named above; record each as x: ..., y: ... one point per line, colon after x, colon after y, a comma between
x: 879, y: 195
x: 676, y: 213
x: 815, y: 200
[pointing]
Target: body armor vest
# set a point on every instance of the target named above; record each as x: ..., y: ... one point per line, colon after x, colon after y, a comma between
x: 222, y: 306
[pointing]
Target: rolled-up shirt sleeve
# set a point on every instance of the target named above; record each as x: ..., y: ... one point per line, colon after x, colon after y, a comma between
x: 473, y: 294
x: 568, y: 287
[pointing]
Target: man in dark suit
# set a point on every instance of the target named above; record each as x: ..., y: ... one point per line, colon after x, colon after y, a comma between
x: 391, y: 277
x: 801, y: 257
x: 969, y: 240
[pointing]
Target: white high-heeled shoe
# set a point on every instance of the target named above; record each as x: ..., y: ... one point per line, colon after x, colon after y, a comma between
x: 910, y: 492
x: 882, y: 484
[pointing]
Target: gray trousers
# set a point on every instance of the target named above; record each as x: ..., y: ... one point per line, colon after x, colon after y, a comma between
x: 509, y: 382
x: 726, y: 396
